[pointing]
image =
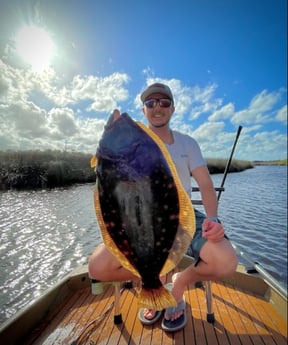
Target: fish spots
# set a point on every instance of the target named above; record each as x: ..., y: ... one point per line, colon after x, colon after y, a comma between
x: 139, y: 202
x: 173, y: 216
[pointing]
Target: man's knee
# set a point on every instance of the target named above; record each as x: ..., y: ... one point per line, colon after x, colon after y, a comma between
x: 229, y: 266
x: 97, y: 262
x: 222, y: 260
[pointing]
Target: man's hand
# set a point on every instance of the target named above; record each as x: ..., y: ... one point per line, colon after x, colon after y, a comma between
x: 213, y: 231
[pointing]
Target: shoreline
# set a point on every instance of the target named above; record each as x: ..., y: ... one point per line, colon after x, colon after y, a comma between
x: 51, y: 169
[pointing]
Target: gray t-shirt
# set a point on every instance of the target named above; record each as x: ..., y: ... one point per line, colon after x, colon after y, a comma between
x: 186, y: 155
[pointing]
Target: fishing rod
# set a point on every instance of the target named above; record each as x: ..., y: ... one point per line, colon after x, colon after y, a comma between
x: 226, y: 170
x: 221, y: 189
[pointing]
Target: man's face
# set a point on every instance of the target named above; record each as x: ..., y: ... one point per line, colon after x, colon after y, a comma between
x: 158, y: 110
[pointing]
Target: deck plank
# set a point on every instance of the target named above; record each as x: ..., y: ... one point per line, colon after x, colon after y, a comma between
x: 55, y: 317
x: 208, y: 327
x: 83, y: 314
x: 263, y: 324
x: 218, y: 310
x: 111, y: 333
x: 245, y: 308
x: 132, y: 334
x: 241, y: 319
x: 257, y: 328
x: 224, y: 321
x: 197, y: 317
x: 270, y: 324
x: 136, y: 330
x: 57, y: 324
x: 99, y: 306
x: 189, y: 336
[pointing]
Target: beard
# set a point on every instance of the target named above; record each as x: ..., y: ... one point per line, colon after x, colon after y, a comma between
x: 160, y: 125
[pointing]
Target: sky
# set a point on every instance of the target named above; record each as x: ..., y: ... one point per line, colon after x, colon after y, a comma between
x: 65, y: 65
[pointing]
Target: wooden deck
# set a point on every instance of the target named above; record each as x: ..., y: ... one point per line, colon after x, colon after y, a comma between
x: 242, y: 318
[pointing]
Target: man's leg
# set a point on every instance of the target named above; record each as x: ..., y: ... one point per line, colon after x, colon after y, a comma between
x: 213, y: 261
x: 104, y: 266
x: 218, y: 260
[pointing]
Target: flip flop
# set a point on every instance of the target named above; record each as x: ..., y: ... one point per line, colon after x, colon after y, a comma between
x: 149, y: 322
x: 175, y: 325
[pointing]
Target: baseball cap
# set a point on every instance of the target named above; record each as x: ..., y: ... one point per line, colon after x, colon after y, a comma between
x: 156, y: 88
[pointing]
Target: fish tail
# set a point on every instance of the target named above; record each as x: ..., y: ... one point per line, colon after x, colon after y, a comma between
x: 157, y: 299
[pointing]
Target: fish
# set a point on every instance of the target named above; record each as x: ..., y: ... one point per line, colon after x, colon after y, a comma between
x: 145, y: 216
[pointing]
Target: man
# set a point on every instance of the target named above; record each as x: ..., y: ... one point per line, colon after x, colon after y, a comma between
x: 214, y: 255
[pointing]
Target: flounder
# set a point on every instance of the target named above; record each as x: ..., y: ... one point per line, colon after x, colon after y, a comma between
x: 145, y: 216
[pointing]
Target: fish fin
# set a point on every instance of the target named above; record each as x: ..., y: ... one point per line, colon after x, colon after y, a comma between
x: 93, y: 162
x: 157, y: 299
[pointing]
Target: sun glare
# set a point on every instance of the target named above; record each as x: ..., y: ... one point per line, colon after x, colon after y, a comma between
x: 34, y: 45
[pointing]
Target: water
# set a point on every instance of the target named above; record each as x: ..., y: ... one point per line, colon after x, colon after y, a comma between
x: 45, y: 234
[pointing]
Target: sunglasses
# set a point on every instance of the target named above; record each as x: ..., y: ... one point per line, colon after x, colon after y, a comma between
x: 163, y: 102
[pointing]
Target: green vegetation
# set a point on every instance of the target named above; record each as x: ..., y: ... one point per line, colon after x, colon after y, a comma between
x: 276, y: 162
x: 217, y: 165
x: 49, y: 169
x: 43, y: 169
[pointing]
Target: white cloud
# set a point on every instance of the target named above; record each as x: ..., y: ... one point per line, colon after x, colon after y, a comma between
x: 258, y: 109
x: 26, y: 125
x: 282, y: 114
x: 213, y: 139
x: 264, y: 144
x: 63, y: 120
x: 41, y: 111
x: 226, y: 112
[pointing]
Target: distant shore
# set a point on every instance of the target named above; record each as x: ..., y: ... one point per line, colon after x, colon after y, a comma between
x: 275, y: 162
x: 50, y: 169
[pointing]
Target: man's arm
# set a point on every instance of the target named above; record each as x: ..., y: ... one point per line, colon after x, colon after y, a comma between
x: 206, y: 187
x: 211, y: 229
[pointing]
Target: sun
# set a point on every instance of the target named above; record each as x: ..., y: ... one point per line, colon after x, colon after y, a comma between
x: 35, y: 46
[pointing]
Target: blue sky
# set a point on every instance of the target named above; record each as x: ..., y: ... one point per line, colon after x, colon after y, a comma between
x: 65, y: 65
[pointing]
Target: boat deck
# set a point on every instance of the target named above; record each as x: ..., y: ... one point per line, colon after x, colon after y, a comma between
x: 242, y: 318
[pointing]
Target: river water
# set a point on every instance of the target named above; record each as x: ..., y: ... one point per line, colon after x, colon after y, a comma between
x: 45, y: 234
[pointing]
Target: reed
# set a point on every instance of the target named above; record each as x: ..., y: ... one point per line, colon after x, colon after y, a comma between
x: 274, y: 162
x: 49, y: 169
x: 217, y: 165
x: 43, y: 169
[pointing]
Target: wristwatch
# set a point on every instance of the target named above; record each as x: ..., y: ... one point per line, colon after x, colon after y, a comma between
x: 214, y: 219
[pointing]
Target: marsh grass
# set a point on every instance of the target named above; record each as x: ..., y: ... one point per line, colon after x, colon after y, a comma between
x: 218, y: 165
x: 49, y: 169
x: 43, y: 169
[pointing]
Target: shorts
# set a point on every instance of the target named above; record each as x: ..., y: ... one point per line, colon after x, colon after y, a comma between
x: 198, y: 241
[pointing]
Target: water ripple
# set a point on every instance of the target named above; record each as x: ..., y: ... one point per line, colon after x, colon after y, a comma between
x: 45, y: 234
